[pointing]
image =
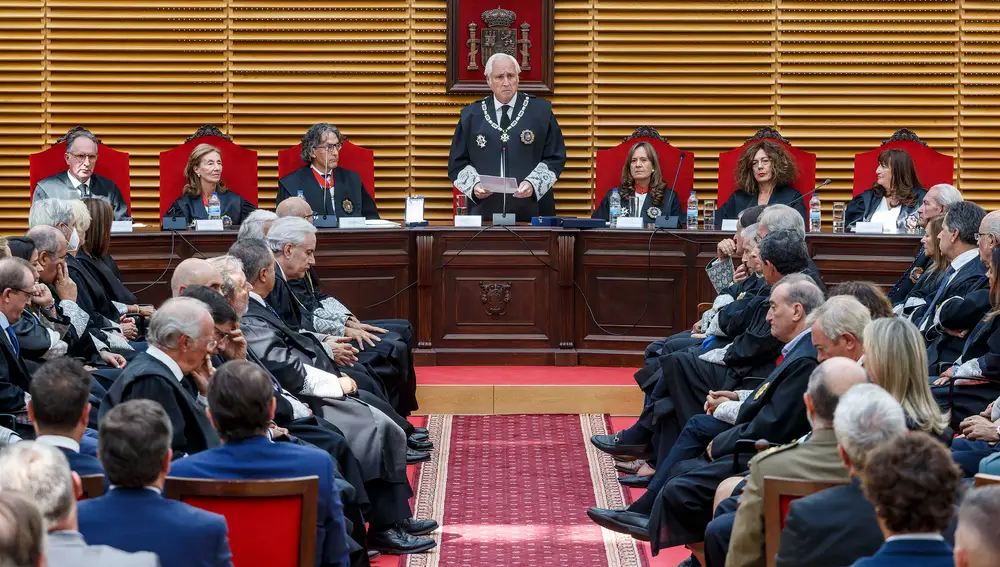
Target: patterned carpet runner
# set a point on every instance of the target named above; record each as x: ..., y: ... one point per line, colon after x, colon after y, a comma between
x: 513, y: 490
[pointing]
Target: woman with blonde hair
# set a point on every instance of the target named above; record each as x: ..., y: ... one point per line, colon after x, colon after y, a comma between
x: 896, y: 360
x: 204, y: 177
x: 764, y: 176
x: 643, y: 192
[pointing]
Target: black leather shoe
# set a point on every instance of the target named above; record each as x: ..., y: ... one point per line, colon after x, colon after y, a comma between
x: 396, y: 541
x: 372, y: 554
x: 612, y: 445
x: 419, y: 436
x: 420, y: 430
x: 635, y: 481
x: 416, y: 527
x: 414, y: 457
x: 419, y: 445
x: 621, y: 521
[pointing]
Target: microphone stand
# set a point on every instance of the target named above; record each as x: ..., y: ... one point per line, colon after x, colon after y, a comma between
x: 504, y: 218
x: 326, y: 220
x: 666, y: 220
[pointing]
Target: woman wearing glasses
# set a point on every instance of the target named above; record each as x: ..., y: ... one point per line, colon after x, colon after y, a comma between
x: 204, y: 177
x: 328, y: 188
x: 764, y: 176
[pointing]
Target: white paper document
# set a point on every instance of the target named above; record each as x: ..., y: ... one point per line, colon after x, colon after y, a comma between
x: 499, y: 184
x: 322, y: 384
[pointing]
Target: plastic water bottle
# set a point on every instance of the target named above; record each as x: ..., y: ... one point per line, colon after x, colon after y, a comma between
x: 614, y: 207
x: 814, y: 214
x: 214, y: 207
x: 692, y: 216
x: 301, y: 195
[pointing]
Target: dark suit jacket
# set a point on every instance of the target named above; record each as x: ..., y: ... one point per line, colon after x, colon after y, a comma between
x: 775, y: 410
x: 741, y: 200
x: 970, y: 277
x: 862, y: 207
x: 963, y: 314
x: 286, y: 303
x: 907, y: 280
x: 347, y: 188
x: 755, y: 345
x: 910, y: 553
x: 670, y: 199
x: 147, y: 378
x: 230, y: 204
x: 81, y: 464
x: 15, y: 378
x: 139, y: 519
x: 58, y: 187
x: 258, y: 458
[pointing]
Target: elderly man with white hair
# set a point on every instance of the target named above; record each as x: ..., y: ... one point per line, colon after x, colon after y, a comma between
x: 42, y: 473
x: 256, y: 224
x: 937, y: 201
x: 507, y: 134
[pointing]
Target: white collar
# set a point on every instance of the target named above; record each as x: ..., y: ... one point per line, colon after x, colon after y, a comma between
x: 964, y: 258
x: 499, y: 105
x: 76, y: 182
x: 930, y: 536
x: 59, y: 441
x: 792, y: 343
x: 171, y: 363
x: 256, y: 297
x: 4, y: 323
x: 861, y: 361
x: 323, y: 175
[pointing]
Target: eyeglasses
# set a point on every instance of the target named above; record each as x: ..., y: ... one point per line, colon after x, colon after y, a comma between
x: 84, y: 157
x: 225, y: 336
x: 330, y: 147
x: 984, y: 235
x: 761, y: 163
x: 24, y: 291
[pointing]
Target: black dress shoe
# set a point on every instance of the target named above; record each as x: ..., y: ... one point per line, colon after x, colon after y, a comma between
x: 372, y: 554
x: 612, y: 445
x: 419, y: 445
x: 420, y: 430
x: 635, y: 481
x: 416, y: 527
x: 396, y: 541
x: 621, y: 521
x: 419, y: 436
x: 414, y: 457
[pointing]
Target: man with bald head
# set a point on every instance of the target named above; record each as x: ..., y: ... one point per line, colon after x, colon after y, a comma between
x: 195, y: 271
x: 295, y: 207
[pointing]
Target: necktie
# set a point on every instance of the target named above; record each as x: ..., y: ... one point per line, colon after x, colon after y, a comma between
x: 84, y: 190
x: 781, y: 358
x: 930, y: 306
x: 505, y: 117
x: 13, y: 341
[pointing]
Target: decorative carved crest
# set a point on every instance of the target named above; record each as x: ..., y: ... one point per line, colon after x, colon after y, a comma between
x: 72, y: 131
x: 208, y: 130
x: 904, y: 135
x: 495, y: 297
x: 645, y: 132
x: 499, y: 37
x: 768, y: 133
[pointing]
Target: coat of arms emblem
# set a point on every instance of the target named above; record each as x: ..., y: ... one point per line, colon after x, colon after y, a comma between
x: 499, y: 37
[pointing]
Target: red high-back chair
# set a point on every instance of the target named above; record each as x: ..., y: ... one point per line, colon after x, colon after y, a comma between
x: 271, y: 522
x: 805, y: 163
x: 111, y: 163
x: 239, y: 167
x: 932, y: 166
x: 353, y: 157
x: 611, y: 161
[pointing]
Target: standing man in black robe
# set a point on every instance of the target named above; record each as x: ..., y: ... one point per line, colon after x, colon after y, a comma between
x: 508, y: 134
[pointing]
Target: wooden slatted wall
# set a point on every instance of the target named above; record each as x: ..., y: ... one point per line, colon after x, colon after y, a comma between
x: 835, y: 77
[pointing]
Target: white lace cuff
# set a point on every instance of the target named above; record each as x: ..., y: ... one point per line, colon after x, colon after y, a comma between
x: 57, y: 349
x: 121, y: 307
x: 77, y: 316
x: 969, y: 369
x: 322, y: 384
x: 541, y: 178
x: 715, y: 356
x: 99, y: 344
x: 743, y: 394
x: 299, y: 409
x: 728, y: 411
x: 118, y: 341
x: 467, y: 180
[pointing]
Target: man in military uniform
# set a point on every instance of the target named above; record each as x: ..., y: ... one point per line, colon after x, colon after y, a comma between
x: 508, y: 134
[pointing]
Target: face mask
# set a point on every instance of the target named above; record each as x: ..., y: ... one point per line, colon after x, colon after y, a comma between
x: 74, y: 241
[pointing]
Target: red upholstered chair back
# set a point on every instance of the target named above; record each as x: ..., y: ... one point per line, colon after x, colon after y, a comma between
x: 239, y: 167
x: 805, y: 162
x: 92, y: 484
x: 271, y: 522
x: 778, y: 495
x: 611, y: 161
x: 933, y: 167
x: 353, y: 157
x: 111, y: 163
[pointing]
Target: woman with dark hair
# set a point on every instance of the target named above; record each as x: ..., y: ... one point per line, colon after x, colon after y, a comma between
x: 764, y: 176
x: 94, y: 257
x: 895, y: 196
x: 869, y: 294
x: 643, y: 191
x: 204, y: 177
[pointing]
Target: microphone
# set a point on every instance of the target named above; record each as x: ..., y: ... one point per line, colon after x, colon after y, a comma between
x: 807, y: 193
x: 665, y: 220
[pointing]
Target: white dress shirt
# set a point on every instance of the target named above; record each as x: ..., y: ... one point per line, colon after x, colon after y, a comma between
x: 59, y: 441
x: 75, y: 183
x: 510, y: 114
x: 886, y: 216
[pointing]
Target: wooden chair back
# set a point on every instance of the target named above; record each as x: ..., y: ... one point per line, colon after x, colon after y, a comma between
x: 778, y: 494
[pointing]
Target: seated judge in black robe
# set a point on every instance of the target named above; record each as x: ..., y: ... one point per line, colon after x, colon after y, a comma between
x: 894, y: 198
x: 80, y: 181
x: 764, y: 176
x: 204, y: 177
x: 507, y: 134
x: 643, y: 192
x: 328, y: 188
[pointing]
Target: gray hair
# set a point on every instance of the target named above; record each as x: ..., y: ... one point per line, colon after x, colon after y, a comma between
x: 749, y: 233
x: 41, y: 472
x: 177, y: 317
x: 493, y: 58
x: 255, y: 256
x: 288, y: 230
x: 842, y: 314
x: 50, y: 212
x: 46, y: 238
x: 227, y: 266
x: 782, y: 217
x: 991, y: 224
x: 947, y: 195
x: 15, y: 273
x: 314, y: 137
x: 965, y: 217
x: 81, y: 216
x: 77, y: 133
x: 866, y: 417
x: 978, y: 513
x: 802, y: 290
x: 253, y: 225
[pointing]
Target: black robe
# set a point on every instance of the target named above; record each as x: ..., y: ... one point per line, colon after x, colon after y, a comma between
x: 231, y: 205
x: 348, y: 193
x: 92, y: 297
x: 910, y: 277
x: 862, y: 207
x: 741, y: 200
x: 670, y: 199
x: 105, y: 271
x: 536, y: 152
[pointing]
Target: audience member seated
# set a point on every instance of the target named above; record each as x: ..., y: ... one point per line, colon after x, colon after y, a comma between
x: 912, y: 483
x: 838, y: 328
x: 194, y: 271
x: 764, y: 176
x: 22, y: 531
x: 204, y: 178
x: 241, y: 406
x: 40, y: 471
x: 927, y: 278
x: 256, y: 224
x: 643, y: 192
x: 976, y: 543
x: 173, y: 372
x: 17, y: 283
x: 59, y: 408
x: 836, y: 526
x: 329, y: 188
x: 135, y: 439
x: 781, y: 217
x: 869, y: 294
x: 722, y: 270
x: 893, y: 199
x: 936, y: 202
x: 80, y: 181
x: 94, y: 256
x: 976, y: 447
